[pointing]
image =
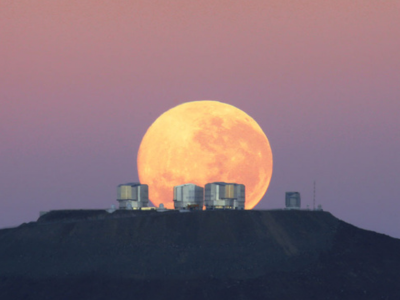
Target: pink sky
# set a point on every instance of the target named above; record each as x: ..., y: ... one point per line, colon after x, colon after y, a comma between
x: 81, y: 81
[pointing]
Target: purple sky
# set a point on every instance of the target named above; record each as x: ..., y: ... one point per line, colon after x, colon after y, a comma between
x: 81, y: 81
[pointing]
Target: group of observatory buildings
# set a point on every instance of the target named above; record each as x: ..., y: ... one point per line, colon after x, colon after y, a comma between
x: 218, y: 195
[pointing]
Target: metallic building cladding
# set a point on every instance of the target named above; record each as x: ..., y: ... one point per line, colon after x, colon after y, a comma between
x: 221, y: 195
x: 229, y: 191
x: 133, y: 195
x: 188, y: 196
x: 124, y: 192
x: 292, y: 200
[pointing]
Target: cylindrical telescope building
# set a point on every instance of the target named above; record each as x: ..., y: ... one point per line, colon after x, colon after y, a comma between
x: 222, y: 195
x: 292, y: 200
x: 188, y: 196
x: 133, y: 195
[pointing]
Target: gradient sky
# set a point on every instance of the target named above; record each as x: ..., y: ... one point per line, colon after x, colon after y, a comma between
x: 81, y: 81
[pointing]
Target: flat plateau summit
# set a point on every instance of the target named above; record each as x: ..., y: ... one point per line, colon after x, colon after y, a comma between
x: 91, y: 254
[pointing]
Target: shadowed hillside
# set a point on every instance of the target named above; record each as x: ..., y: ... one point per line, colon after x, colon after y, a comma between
x: 201, y: 255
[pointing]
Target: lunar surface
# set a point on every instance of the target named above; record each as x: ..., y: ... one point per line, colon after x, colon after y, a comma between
x: 201, y: 142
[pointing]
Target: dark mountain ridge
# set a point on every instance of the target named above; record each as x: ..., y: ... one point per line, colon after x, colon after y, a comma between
x: 279, y: 254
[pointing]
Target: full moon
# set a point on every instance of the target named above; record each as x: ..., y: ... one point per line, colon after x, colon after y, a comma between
x: 201, y: 142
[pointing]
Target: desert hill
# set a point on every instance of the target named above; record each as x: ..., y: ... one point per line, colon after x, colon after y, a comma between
x: 91, y: 254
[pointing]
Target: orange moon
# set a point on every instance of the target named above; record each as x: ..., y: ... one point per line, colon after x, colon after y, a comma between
x: 200, y: 142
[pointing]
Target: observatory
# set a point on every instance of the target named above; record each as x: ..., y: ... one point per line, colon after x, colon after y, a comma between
x: 188, y: 196
x: 133, y: 195
x: 292, y: 200
x: 221, y: 195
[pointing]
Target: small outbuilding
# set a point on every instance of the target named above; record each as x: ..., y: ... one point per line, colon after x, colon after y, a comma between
x: 292, y: 200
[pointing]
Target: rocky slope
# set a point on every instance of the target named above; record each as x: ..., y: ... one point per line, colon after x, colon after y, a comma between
x: 201, y: 255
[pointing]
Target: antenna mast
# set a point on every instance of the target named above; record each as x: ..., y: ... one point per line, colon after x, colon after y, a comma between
x: 315, y: 183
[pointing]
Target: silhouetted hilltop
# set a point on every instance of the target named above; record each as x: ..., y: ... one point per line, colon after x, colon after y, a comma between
x: 91, y: 254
